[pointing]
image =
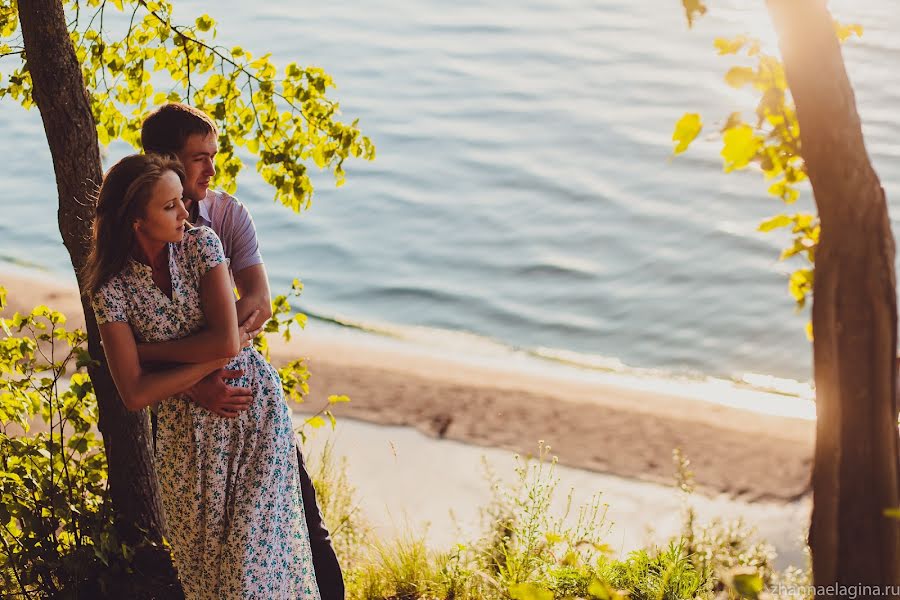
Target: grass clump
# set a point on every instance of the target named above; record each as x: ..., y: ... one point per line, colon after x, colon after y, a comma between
x: 527, y: 552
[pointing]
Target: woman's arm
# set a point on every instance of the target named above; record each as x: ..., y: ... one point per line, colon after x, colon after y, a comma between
x: 137, y: 387
x: 221, y: 336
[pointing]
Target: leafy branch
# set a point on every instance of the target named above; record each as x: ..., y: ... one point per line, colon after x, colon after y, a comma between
x: 771, y: 143
x: 286, y: 122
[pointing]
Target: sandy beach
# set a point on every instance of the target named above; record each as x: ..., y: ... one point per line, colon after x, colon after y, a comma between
x: 616, y: 430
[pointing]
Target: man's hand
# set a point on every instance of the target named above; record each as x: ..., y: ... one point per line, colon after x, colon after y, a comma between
x: 247, y: 334
x: 213, y: 394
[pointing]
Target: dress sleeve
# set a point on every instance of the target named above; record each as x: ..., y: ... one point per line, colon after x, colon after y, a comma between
x: 109, y: 303
x: 209, y: 249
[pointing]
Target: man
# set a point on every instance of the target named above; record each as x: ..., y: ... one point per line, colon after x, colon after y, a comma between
x: 192, y: 136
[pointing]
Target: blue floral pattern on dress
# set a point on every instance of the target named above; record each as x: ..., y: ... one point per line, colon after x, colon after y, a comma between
x: 230, y: 487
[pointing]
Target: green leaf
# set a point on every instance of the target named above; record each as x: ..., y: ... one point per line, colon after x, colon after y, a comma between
x: 738, y: 77
x: 800, y: 284
x: 529, y: 591
x: 78, y: 444
x: 775, y: 222
x: 740, y: 146
x: 726, y: 46
x: 782, y: 190
x: 601, y: 590
x: 747, y: 583
x: 205, y: 23
x: 686, y: 130
x: 844, y: 32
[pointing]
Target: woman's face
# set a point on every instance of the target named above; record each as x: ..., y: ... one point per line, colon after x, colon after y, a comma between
x: 164, y: 214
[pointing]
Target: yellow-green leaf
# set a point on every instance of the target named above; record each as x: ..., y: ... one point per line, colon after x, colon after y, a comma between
x: 600, y: 590
x: 801, y: 283
x: 845, y: 31
x: 316, y: 422
x: 205, y: 23
x: 726, y: 46
x: 687, y: 129
x: 529, y: 591
x: 748, y: 584
x: 775, y: 222
x: 740, y: 145
x: 738, y: 77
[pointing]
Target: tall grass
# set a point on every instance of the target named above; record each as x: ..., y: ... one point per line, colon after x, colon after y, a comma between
x: 527, y: 552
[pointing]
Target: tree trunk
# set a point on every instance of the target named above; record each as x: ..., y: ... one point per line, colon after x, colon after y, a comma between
x: 855, y: 473
x: 60, y: 94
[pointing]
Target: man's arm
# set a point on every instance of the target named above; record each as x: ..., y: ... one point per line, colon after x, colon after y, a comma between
x: 253, y: 288
x: 235, y: 227
x: 254, y: 308
x: 238, y: 233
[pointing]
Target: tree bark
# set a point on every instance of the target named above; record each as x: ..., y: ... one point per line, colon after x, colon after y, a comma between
x: 855, y: 472
x: 61, y: 97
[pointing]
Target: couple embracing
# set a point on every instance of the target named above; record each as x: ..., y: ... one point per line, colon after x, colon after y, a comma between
x: 239, y: 505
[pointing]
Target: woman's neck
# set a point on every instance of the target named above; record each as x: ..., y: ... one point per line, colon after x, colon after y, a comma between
x: 151, y: 252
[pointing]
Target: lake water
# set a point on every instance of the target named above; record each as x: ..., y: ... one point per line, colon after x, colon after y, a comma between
x: 524, y: 196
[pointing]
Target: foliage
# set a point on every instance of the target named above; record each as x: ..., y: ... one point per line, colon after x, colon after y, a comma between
x: 661, y: 575
x: 294, y: 375
x: 58, y: 538
x: 133, y: 53
x: 56, y: 523
x: 526, y: 543
x: 337, y: 500
x: 770, y: 141
x: 556, y: 559
x: 55, y: 520
x: 526, y: 552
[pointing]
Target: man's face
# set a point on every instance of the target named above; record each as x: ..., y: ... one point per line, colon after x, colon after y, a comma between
x: 198, y: 157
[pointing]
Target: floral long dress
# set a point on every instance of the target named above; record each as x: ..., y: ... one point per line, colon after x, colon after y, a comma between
x: 230, y: 486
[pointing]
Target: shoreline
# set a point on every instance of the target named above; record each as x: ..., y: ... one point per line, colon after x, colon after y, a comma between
x: 600, y: 426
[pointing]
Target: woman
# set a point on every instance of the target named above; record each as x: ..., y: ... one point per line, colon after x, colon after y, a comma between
x: 229, y: 485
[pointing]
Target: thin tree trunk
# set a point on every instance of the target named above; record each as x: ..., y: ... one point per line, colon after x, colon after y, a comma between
x: 855, y: 473
x: 60, y: 94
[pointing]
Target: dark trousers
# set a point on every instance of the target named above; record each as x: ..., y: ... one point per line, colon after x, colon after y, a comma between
x: 328, y: 570
x: 329, y: 577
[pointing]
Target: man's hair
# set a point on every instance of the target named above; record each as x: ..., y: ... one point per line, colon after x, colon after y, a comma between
x: 166, y: 129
